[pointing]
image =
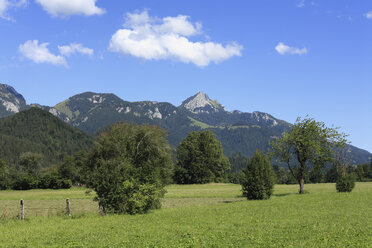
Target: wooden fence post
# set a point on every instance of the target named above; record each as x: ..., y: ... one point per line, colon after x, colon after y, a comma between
x: 22, y: 216
x: 101, y: 210
x: 68, y: 208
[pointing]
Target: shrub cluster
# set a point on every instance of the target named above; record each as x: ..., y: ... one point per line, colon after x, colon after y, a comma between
x: 43, y: 182
x: 28, y: 176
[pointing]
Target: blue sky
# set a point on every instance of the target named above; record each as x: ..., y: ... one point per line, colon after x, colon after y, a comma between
x: 288, y: 58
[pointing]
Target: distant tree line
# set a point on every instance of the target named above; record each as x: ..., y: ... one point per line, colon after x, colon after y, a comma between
x: 29, y: 174
x: 315, y: 174
x: 129, y: 165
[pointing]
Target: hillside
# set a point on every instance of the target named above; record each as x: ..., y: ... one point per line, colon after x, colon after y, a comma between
x: 35, y: 130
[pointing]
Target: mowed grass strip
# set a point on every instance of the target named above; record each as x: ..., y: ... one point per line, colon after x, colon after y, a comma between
x: 321, y: 218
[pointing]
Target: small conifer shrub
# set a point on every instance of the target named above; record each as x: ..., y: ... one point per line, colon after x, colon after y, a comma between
x: 345, y: 183
x: 258, y: 178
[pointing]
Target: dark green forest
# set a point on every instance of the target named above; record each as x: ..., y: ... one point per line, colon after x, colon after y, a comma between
x: 37, y: 131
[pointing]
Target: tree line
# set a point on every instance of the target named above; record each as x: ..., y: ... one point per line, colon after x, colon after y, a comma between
x: 129, y: 165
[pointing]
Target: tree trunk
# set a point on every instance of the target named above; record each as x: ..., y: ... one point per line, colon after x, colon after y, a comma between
x: 302, y: 183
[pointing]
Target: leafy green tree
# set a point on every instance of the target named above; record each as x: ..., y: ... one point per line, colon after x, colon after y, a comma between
x: 360, y: 174
x: 316, y: 174
x: 283, y: 176
x: 4, y: 175
x: 259, y: 177
x: 307, y: 143
x: 72, y: 168
x: 238, y: 162
x: 30, y: 163
x: 200, y: 159
x: 235, y: 177
x: 128, y: 168
x: 331, y: 176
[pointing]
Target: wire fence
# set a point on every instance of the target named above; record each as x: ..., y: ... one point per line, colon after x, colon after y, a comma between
x: 31, y: 208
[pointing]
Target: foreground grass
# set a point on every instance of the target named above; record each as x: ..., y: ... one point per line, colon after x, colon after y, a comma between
x: 206, y: 216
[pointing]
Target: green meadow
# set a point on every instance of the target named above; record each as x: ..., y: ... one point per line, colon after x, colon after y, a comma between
x: 212, y: 215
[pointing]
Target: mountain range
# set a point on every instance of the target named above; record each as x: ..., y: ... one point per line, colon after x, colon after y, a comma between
x: 239, y: 132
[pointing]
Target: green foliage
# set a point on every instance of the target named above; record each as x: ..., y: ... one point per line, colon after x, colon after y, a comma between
x: 259, y: 178
x: 236, y: 177
x: 134, y: 198
x: 200, y: 159
x: 316, y: 174
x: 54, y: 182
x: 72, y: 168
x: 30, y: 176
x: 30, y: 163
x: 4, y: 175
x: 128, y: 168
x: 37, y: 131
x: 331, y: 176
x: 345, y: 183
x: 238, y: 162
x: 283, y: 176
x: 364, y: 172
x: 307, y: 143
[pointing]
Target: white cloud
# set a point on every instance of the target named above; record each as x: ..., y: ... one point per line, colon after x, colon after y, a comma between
x: 39, y: 53
x: 71, y: 7
x: 5, y: 5
x: 369, y: 15
x: 283, y: 49
x: 301, y: 4
x: 168, y: 38
x: 75, y: 48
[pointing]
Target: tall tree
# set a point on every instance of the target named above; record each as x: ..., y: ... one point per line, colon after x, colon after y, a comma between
x: 307, y: 142
x: 200, y: 159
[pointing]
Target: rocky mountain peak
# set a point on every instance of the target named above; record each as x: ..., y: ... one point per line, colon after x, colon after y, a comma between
x: 201, y: 103
x: 11, y: 101
x: 264, y: 117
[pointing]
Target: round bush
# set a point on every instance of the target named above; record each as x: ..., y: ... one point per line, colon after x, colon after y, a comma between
x: 345, y: 183
x: 128, y: 168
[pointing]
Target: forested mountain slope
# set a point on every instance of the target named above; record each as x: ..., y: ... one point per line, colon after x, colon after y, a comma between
x: 35, y: 130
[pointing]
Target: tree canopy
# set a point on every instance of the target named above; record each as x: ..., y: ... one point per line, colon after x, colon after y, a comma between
x: 128, y: 168
x: 200, y: 159
x: 308, y: 142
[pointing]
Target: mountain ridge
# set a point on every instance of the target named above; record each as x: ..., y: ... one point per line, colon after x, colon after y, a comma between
x: 238, y: 131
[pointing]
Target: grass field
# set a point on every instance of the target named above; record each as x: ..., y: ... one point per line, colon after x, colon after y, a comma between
x: 212, y: 215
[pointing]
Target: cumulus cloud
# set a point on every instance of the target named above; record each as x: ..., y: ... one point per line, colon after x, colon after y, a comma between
x: 75, y: 48
x: 39, y: 53
x: 369, y: 15
x: 5, y: 5
x: 152, y: 38
x: 283, y: 49
x: 71, y: 7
